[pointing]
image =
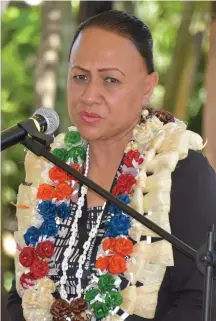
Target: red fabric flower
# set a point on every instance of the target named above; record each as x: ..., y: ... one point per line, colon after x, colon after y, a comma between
x: 117, y: 264
x: 78, y: 169
x: 57, y: 174
x: 45, y: 249
x: 27, y: 256
x: 46, y: 192
x: 132, y: 154
x: 123, y: 246
x: 39, y: 268
x: 109, y: 244
x: 27, y: 280
x: 102, y: 263
x: 63, y: 191
x: 124, y: 184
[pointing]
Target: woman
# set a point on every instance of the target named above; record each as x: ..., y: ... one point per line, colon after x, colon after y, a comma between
x: 113, y: 268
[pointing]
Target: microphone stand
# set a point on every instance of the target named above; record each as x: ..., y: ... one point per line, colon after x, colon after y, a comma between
x: 205, y: 257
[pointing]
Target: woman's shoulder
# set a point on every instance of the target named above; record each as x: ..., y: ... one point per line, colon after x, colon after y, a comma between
x: 195, y: 165
x: 193, y: 201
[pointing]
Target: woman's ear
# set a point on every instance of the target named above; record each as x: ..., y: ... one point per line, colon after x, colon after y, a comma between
x: 150, y: 83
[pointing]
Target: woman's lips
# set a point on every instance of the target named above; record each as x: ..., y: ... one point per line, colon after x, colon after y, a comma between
x: 89, y: 117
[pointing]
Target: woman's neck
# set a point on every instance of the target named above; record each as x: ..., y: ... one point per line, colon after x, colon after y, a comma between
x: 104, y: 160
x: 108, y: 153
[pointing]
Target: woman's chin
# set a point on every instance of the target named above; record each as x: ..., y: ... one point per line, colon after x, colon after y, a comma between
x: 89, y: 133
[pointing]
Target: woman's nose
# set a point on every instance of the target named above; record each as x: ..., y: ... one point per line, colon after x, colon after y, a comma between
x: 91, y: 93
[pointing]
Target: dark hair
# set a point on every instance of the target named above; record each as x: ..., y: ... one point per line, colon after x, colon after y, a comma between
x: 126, y: 25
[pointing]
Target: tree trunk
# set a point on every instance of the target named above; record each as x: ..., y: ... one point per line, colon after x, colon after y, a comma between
x: 48, y: 55
x: 180, y: 54
x: 188, y: 76
x: 67, y: 30
x: 91, y: 8
x: 209, y: 115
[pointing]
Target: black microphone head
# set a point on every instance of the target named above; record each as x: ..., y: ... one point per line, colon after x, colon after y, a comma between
x: 51, y: 117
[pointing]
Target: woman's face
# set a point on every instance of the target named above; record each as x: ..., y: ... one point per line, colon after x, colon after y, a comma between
x: 107, y: 86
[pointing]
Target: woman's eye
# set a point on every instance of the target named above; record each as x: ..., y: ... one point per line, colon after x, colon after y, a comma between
x: 111, y: 80
x: 80, y: 77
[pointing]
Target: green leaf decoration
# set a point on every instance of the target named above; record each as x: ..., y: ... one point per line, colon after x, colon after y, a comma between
x: 100, y: 310
x: 75, y: 153
x: 60, y: 153
x: 91, y: 294
x: 72, y: 138
x: 106, y: 283
x: 113, y: 299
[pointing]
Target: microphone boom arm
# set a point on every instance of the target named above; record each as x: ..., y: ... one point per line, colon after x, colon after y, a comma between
x: 39, y: 150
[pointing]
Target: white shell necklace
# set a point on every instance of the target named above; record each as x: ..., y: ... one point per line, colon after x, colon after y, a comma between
x: 68, y: 252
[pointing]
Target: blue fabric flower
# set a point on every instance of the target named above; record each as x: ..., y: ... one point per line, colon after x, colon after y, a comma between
x: 114, y: 209
x: 32, y: 235
x: 124, y: 198
x: 47, y: 210
x: 118, y: 225
x: 63, y: 211
x: 49, y: 228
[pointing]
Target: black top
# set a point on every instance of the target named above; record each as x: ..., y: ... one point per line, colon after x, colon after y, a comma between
x: 193, y: 209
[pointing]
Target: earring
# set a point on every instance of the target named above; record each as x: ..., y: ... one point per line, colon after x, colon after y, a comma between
x: 145, y: 111
x: 144, y: 114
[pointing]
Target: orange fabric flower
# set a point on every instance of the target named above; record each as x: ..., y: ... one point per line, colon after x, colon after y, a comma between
x: 46, y: 192
x: 78, y: 169
x: 102, y: 263
x: 117, y: 264
x: 123, y: 246
x: 109, y: 244
x: 57, y: 174
x: 63, y: 191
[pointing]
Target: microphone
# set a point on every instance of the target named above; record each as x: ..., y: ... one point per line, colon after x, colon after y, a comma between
x: 46, y: 120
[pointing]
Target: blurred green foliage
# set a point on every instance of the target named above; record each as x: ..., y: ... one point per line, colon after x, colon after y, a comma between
x: 20, y: 38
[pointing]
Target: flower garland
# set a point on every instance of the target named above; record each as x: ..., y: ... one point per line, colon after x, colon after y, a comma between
x: 155, y: 149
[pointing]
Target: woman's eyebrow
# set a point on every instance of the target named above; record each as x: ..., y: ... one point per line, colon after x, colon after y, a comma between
x: 111, y: 68
x: 79, y: 67
x: 100, y: 69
